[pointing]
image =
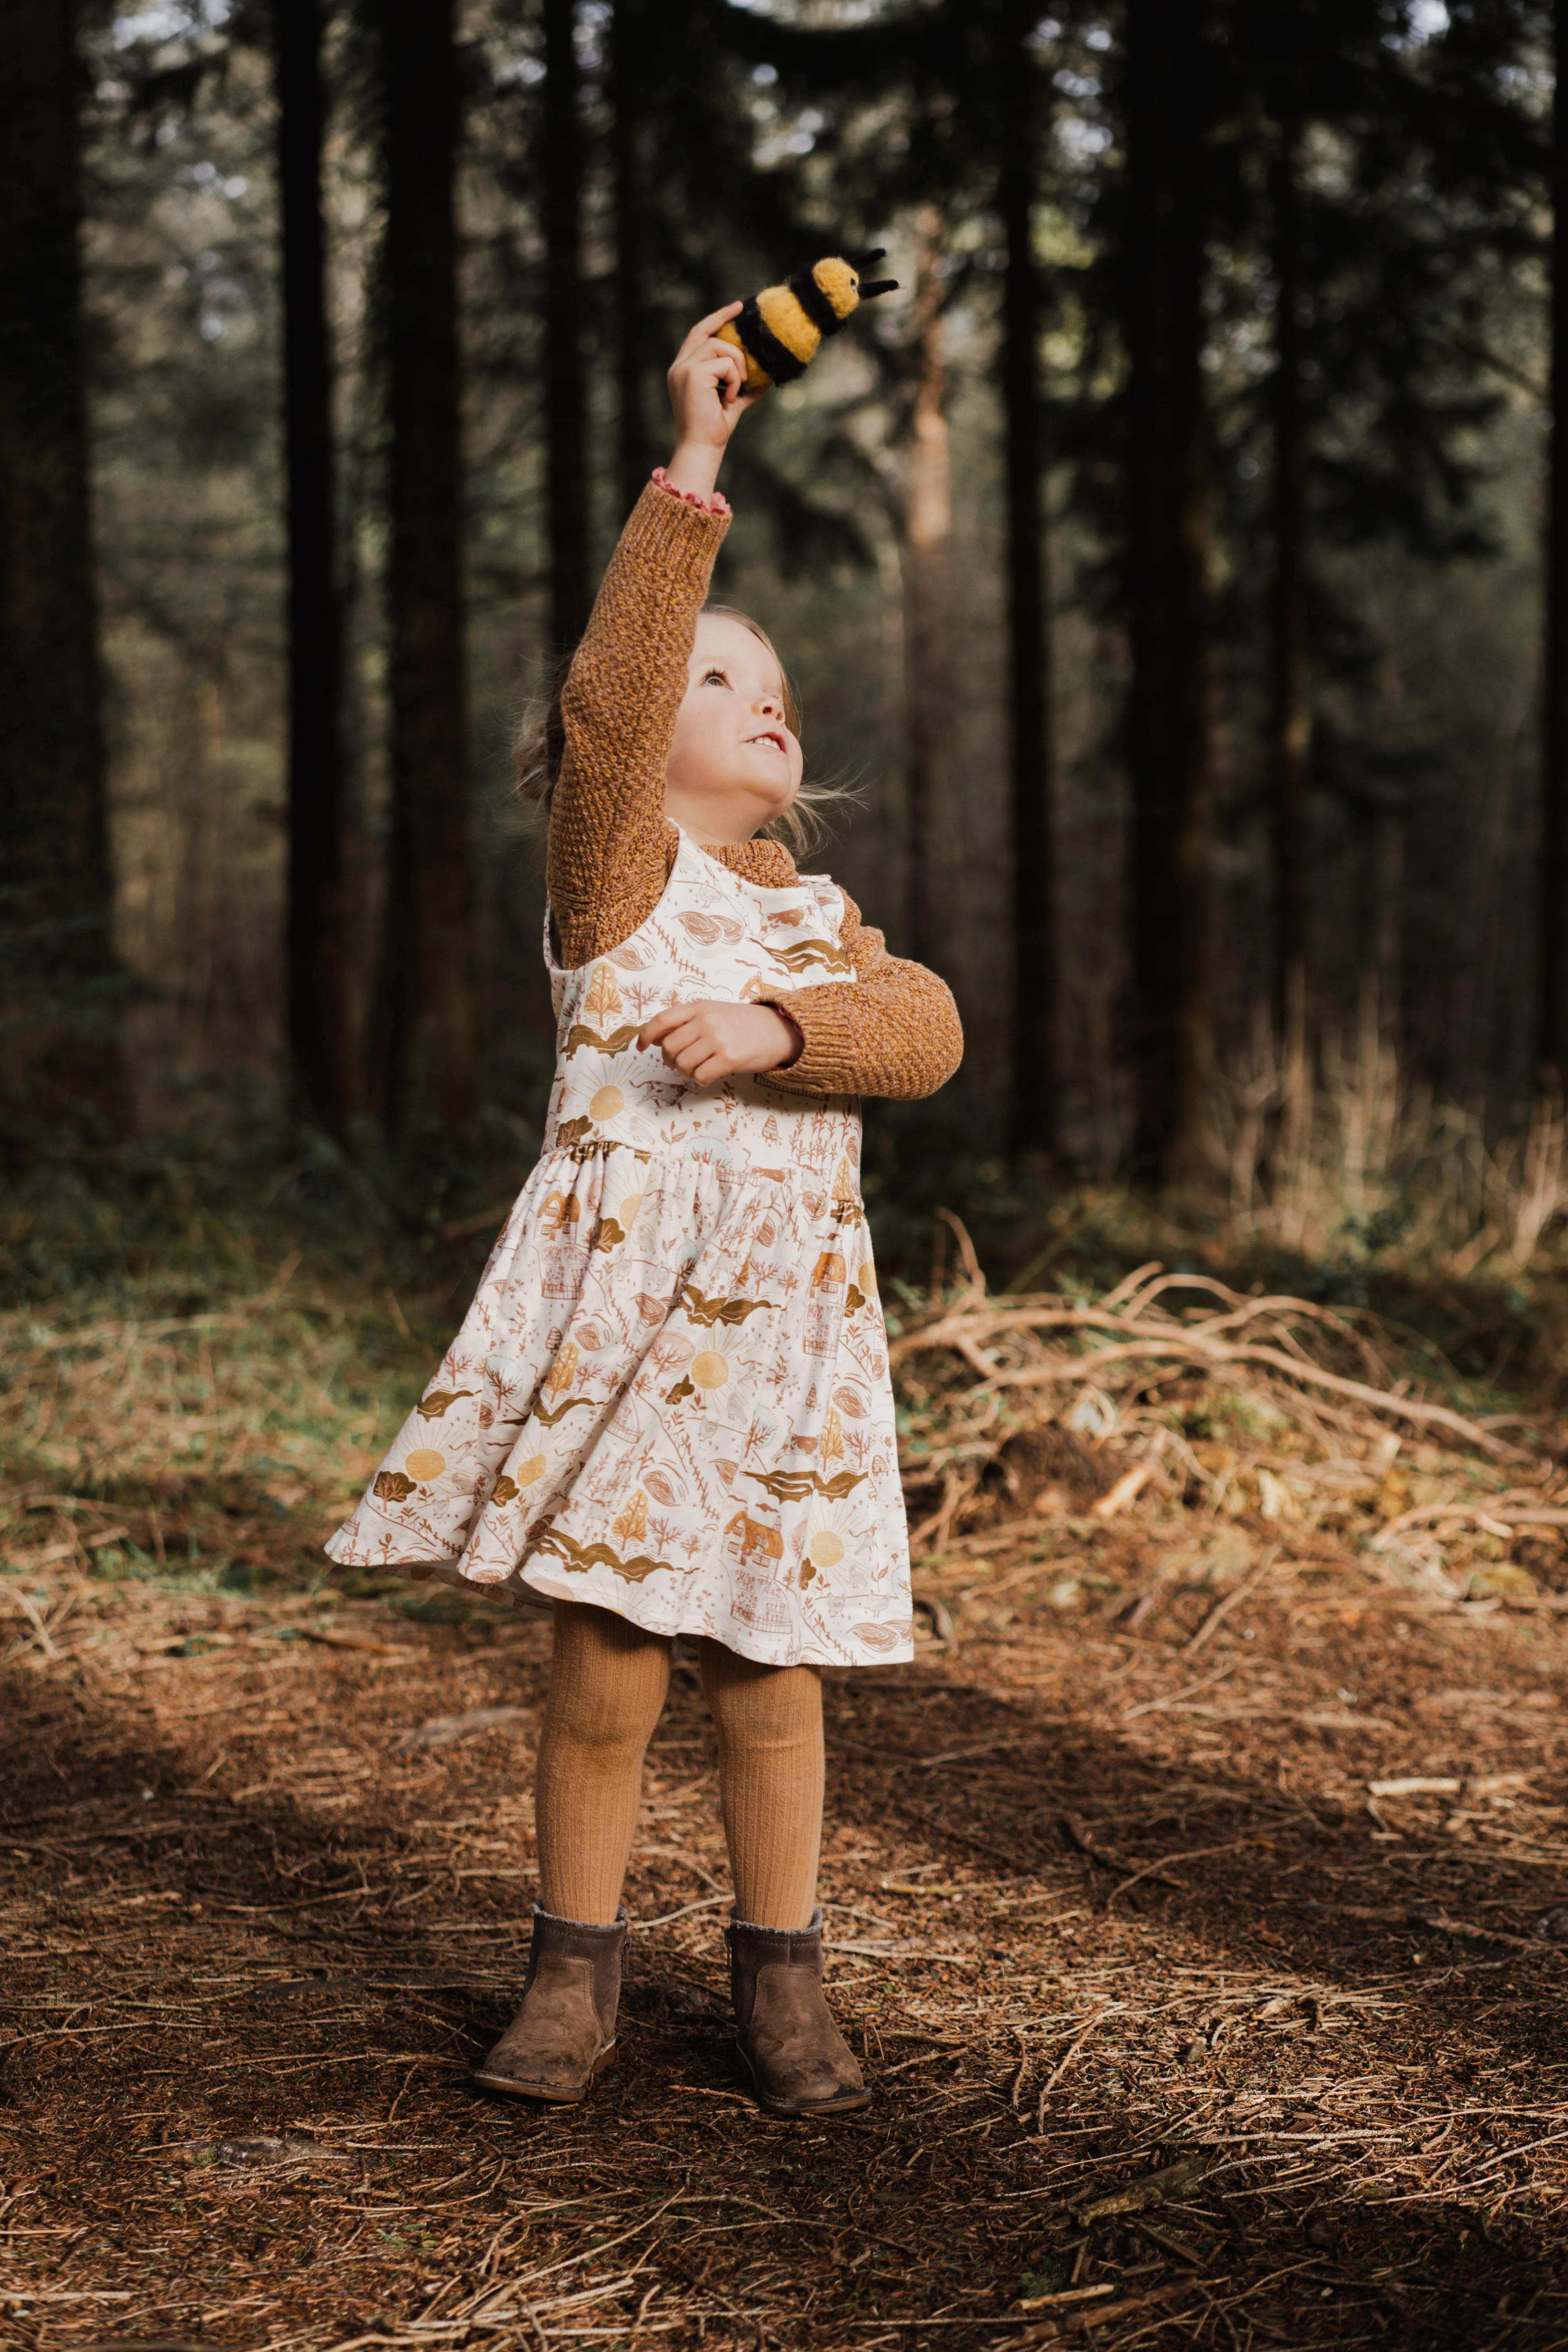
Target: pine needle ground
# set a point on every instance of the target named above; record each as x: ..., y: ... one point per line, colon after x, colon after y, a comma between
x: 1185, y: 1897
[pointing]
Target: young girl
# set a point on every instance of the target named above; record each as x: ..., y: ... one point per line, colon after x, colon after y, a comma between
x: 669, y: 1411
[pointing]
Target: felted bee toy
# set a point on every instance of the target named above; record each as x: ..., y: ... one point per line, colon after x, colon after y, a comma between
x: 780, y: 331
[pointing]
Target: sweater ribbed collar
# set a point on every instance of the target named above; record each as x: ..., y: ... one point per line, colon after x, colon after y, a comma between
x: 768, y: 863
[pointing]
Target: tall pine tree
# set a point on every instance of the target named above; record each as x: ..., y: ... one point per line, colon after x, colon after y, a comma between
x: 61, y: 1080
x: 426, y: 997
x: 1552, y: 1015
x: 632, y: 45
x: 317, y: 941
x: 1167, y: 97
x: 1288, y: 714
x: 926, y: 569
x: 562, y: 158
x: 1017, y: 115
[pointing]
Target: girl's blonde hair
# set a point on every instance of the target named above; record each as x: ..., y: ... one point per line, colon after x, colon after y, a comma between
x: 541, y: 742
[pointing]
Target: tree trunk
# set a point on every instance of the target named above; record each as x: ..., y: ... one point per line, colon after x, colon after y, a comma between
x: 1033, y: 1122
x: 1168, y: 588
x: 634, y: 458
x: 317, y: 943
x: 928, y: 598
x: 427, y: 985
x: 1552, y: 1026
x: 1289, y: 714
x: 566, y: 489
x: 1384, y: 960
x: 61, y: 1077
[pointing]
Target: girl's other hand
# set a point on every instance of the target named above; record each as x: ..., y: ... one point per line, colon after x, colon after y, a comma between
x: 707, y: 395
x: 708, y: 1042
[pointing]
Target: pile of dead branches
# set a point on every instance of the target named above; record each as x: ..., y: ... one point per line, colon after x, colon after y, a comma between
x: 974, y: 1371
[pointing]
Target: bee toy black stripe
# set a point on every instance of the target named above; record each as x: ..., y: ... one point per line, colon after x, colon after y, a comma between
x: 763, y: 347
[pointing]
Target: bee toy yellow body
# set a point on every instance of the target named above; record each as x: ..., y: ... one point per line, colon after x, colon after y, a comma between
x: 780, y: 331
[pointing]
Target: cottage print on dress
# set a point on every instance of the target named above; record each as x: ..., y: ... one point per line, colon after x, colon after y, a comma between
x: 670, y: 1397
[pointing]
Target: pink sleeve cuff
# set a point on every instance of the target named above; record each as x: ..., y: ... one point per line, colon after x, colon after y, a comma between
x: 718, y: 504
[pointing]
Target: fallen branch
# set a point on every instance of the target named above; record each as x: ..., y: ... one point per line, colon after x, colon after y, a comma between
x: 980, y: 1322
x: 1498, y: 1519
x: 967, y: 1330
x: 1198, y: 1352
x: 1127, y: 1490
x: 1155, y: 2189
x: 442, y: 1731
x: 1223, y: 1607
x: 1437, y: 1923
x: 1078, y: 1836
x: 1192, y: 1854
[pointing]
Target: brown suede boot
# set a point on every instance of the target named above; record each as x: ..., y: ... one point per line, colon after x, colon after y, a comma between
x: 563, y: 2036
x: 799, y: 2062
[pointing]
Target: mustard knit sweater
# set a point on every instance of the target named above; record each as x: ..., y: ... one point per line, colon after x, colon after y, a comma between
x: 892, y: 1031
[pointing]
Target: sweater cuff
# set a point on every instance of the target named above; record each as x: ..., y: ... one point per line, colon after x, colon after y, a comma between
x: 717, y: 505
x: 666, y: 539
x: 834, y: 1041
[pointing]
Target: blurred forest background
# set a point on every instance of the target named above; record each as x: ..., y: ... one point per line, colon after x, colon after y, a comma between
x: 1174, y: 565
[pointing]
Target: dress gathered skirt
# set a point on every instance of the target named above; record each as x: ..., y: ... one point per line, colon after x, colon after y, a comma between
x: 670, y: 1397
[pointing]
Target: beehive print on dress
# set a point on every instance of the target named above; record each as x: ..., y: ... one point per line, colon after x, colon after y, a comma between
x: 670, y: 1396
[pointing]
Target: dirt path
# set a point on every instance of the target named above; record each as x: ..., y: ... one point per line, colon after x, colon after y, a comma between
x: 1111, y: 1893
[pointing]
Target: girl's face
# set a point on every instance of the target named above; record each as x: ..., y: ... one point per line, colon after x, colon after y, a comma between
x: 733, y: 763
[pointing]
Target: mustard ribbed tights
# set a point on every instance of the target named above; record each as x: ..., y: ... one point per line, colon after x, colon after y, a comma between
x: 607, y: 1688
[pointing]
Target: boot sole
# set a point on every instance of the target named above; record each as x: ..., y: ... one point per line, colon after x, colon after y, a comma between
x: 852, y: 2105
x: 793, y: 2111
x: 541, y: 2097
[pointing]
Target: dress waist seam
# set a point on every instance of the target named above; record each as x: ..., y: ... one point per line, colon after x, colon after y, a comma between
x: 729, y: 1164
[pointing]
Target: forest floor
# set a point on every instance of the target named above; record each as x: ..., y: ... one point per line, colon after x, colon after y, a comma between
x: 1181, y: 1897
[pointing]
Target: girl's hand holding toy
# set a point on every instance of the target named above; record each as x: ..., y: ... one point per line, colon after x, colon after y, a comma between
x: 707, y: 392
x: 710, y: 1041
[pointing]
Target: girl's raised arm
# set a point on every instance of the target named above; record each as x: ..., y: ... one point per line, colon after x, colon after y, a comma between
x: 608, y: 854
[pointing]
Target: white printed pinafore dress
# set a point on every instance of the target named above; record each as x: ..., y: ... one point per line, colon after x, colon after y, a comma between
x: 670, y: 1397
